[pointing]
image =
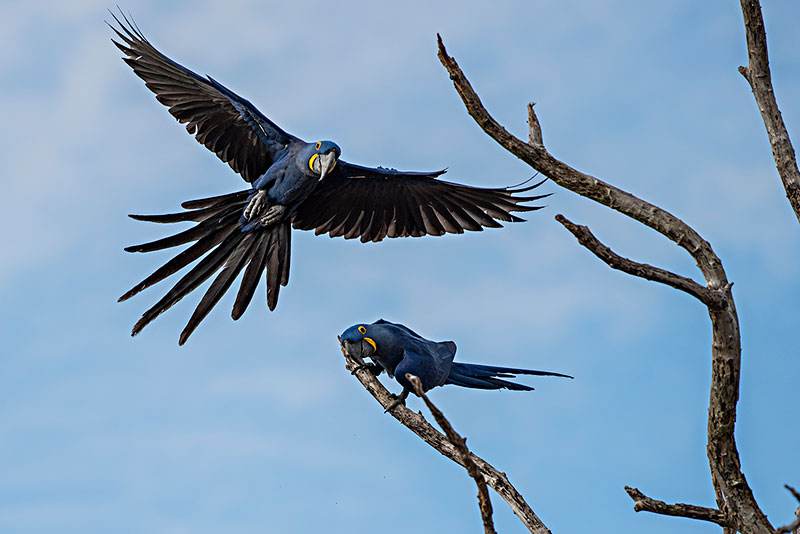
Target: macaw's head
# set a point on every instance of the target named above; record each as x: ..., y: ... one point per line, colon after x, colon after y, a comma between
x: 356, y: 341
x: 322, y: 157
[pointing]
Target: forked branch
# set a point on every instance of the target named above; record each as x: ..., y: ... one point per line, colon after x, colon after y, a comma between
x: 735, y: 500
x: 415, y: 422
x: 484, y: 502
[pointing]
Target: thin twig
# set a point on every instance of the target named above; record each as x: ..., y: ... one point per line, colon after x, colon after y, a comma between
x: 758, y: 75
x: 643, y: 503
x: 415, y: 422
x: 709, y: 297
x: 484, y: 502
x: 733, y: 494
x: 793, y: 491
x: 794, y: 526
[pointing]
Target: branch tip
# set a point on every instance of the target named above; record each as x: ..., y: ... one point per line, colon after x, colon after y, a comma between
x: 710, y: 297
x: 643, y: 503
x: 534, y: 127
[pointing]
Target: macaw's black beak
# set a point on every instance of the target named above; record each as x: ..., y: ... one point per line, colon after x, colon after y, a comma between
x: 358, y: 350
x: 326, y: 163
x: 368, y: 347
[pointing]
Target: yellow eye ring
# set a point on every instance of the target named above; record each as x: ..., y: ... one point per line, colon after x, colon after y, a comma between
x: 362, y: 330
x: 318, y: 145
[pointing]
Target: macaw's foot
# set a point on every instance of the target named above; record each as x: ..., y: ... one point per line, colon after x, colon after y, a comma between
x: 373, y: 368
x: 397, y: 400
x: 273, y: 215
x: 256, y: 204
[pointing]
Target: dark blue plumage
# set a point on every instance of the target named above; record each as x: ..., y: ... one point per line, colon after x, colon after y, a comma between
x: 293, y: 184
x: 399, y: 350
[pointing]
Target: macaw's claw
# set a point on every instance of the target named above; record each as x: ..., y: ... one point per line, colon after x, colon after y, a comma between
x: 373, y: 368
x: 255, y: 205
x: 273, y: 215
x: 397, y: 400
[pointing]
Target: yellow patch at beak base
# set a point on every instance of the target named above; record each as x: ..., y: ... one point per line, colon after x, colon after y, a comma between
x: 371, y: 342
x: 311, y: 162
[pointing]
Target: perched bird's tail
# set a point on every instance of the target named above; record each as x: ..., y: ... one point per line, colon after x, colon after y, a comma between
x: 470, y: 375
x: 225, y: 249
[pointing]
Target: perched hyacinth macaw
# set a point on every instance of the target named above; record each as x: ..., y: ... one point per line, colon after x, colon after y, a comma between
x: 399, y: 350
x: 293, y: 184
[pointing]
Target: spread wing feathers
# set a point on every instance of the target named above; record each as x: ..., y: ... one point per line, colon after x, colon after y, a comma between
x: 218, y: 118
x: 221, y: 249
x: 372, y: 204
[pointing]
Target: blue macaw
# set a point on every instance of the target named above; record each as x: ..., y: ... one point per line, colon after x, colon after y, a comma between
x: 293, y: 183
x: 399, y: 350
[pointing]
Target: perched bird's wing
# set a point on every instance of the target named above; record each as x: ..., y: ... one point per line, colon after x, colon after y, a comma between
x: 374, y: 203
x: 426, y: 363
x: 399, y: 326
x: 218, y: 118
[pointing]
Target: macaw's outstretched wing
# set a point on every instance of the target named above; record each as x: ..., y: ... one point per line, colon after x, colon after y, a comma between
x: 218, y: 118
x: 374, y: 203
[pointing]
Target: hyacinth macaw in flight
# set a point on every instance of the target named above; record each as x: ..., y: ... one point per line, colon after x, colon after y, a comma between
x: 398, y: 350
x: 293, y: 184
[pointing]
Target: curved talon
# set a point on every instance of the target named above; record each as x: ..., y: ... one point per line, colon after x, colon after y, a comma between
x: 373, y: 368
x: 398, y: 400
x: 273, y: 214
x: 255, y: 205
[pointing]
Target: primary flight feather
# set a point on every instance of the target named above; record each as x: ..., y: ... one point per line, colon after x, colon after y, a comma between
x: 293, y: 184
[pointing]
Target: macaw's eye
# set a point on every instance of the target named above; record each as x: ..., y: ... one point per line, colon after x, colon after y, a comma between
x: 362, y: 330
x: 318, y: 145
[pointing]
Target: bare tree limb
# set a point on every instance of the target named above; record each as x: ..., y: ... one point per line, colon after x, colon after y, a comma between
x: 733, y: 494
x: 794, y: 526
x: 415, y: 422
x: 794, y: 492
x: 484, y: 502
x: 791, y: 528
x: 758, y: 75
x: 710, y: 297
x: 643, y: 503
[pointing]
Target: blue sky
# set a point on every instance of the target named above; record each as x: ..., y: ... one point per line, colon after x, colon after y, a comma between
x: 255, y: 426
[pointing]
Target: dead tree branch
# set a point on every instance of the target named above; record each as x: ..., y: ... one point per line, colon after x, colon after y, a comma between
x: 794, y: 526
x: 643, y: 503
x: 710, y: 297
x: 534, y: 128
x: 758, y: 75
x: 733, y: 494
x: 415, y: 422
x: 484, y: 502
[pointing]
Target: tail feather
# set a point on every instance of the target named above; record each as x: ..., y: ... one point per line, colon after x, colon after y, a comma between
x: 251, y: 277
x: 190, y: 281
x: 491, y: 377
x: 190, y: 215
x: 239, y: 196
x: 507, y: 372
x: 222, y: 248
x: 200, y: 230
x: 486, y: 383
x: 180, y: 261
x: 278, y: 262
x: 233, y: 266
